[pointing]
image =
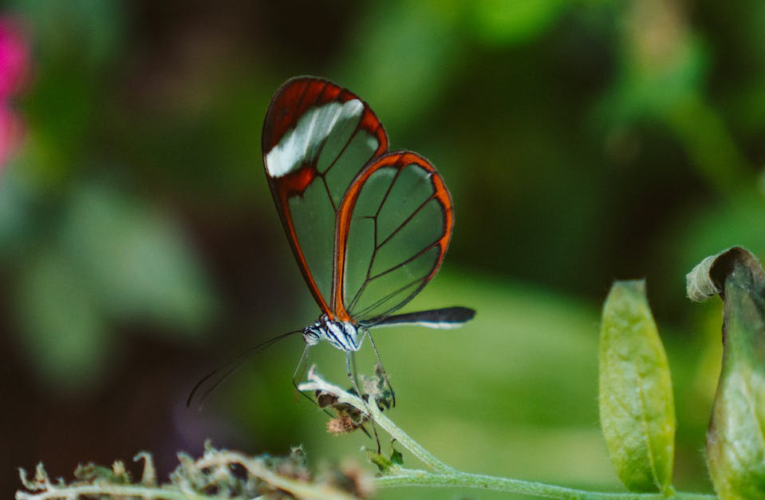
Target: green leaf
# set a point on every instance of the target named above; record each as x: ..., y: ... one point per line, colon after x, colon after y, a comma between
x: 416, y: 39
x: 501, y: 22
x: 136, y: 260
x: 76, y: 29
x: 736, y: 436
x: 16, y: 209
x: 637, y: 412
x: 64, y: 335
x: 396, y: 457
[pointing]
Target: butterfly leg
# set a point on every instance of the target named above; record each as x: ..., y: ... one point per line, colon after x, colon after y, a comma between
x: 350, y: 366
x: 353, y: 367
x: 356, y: 384
x: 377, y: 438
x: 382, y: 368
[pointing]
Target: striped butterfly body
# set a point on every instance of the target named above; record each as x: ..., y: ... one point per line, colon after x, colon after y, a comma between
x: 368, y: 227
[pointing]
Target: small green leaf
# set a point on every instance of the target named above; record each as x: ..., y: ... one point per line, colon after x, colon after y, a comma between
x: 396, y: 457
x: 736, y: 436
x: 63, y: 333
x: 500, y: 22
x: 136, y: 260
x: 637, y: 411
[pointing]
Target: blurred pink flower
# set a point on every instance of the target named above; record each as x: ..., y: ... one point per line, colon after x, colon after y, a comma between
x: 14, y: 57
x: 14, y: 68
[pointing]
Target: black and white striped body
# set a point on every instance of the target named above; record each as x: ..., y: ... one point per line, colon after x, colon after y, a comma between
x: 347, y: 337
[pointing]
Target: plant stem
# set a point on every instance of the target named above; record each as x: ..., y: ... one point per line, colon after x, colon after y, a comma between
x: 406, y: 477
x: 315, y: 382
x: 117, y: 491
x: 446, y: 476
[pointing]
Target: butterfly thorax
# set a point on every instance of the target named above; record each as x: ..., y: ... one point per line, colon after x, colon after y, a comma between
x: 341, y: 334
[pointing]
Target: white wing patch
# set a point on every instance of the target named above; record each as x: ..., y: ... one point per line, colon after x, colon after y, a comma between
x: 302, y: 143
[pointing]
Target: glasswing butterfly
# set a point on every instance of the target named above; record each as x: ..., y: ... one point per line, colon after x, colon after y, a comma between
x: 369, y: 228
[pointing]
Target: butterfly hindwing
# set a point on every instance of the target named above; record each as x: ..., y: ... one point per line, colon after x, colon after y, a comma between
x: 393, y: 229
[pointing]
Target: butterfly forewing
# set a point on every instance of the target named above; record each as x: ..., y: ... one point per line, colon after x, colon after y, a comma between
x: 393, y: 229
x: 316, y: 138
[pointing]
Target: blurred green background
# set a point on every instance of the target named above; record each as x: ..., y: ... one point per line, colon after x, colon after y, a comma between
x: 583, y: 141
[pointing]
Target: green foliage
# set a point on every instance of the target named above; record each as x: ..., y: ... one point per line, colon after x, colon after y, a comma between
x: 500, y: 22
x: 64, y: 334
x: 134, y: 259
x: 637, y: 412
x: 85, y: 254
x: 112, y: 259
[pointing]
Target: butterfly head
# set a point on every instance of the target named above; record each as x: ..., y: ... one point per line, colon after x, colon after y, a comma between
x: 312, y: 334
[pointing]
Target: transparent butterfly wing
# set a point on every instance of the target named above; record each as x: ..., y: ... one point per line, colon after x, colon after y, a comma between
x: 317, y: 136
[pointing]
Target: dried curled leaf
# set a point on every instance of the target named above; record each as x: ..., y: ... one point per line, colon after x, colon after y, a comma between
x: 736, y: 436
x: 637, y: 411
x: 707, y: 279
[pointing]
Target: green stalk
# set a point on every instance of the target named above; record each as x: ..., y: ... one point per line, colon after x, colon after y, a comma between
x: 116, y: 491
x: 457, y: 479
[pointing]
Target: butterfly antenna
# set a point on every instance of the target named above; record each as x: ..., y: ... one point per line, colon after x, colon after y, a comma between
x: 228, y: 368
x: 300, y: 370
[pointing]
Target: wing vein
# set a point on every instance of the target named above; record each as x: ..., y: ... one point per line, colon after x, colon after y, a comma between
x: 390, y: 188
x: 342, y: 151
x: 390, y: 296
x: 329, y: 195
x: 407, y: 261
x: 321, y: 148
x: 376, y: 238
x: 407, y: 220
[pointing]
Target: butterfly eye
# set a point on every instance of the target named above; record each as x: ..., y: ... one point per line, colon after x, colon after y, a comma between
x: 311, y: 337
